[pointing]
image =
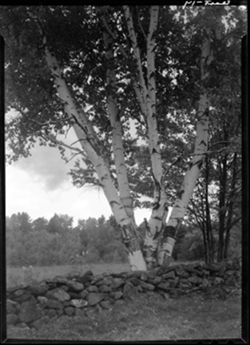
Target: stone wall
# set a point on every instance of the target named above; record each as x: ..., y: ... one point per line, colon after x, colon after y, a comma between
x: 30, y: 305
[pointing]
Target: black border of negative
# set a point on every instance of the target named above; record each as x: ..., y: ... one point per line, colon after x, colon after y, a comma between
x: 245, y: 199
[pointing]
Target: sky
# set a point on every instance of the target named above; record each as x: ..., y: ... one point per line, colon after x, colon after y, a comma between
x: 40, y: 185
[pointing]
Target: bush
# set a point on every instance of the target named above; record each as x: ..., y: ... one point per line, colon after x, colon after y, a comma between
x: 191, y: 248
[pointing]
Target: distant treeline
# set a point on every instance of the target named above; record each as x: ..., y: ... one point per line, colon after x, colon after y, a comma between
x: 56, y: 241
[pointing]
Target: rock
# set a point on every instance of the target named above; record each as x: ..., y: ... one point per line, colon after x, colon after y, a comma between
x: 74, y: 295
x: 94, y: 298
x: 205, y: 272
x: 54, y: 304
x: 86, y: 277
x: 42, y: 300
x: 51, y: 313
x: 80, y: 312
x: 229, y: 273
x: 40, y: 322
x: 38, y: 289
x: 84, y: 293
x: 19, y: 292
x: 221, y: 271
x: 116, y: 294
x: 129, y: 291
x: 11, y: 319
x: 169, y: 275
x: 139, y: 288
x: 147, y: 286
x: 70, y: 311
x: 195, y: 280
x: 59, y: 312
x: 108, y: 281
x: 143, y: 276
x: 64, y: 287
x: 230, y: 281
x: 11, y: 306
x: 213, y: 267
x: 165, y: 269
x: 205, y: 283
x: 92, y: 288
x: 22, y: 325
x: 59, y: 294
x: 117, y: 282
x: 218, y: 281
x: 173, y: 282
x: 157, y: 280
x: 60, y: 280
x: 75, y: 286
x: 184, y: 284
x: 181, y: 273
x: 105, y: 304
x: 29, y: 311
x: 78, y: 303
x: 105, y: 288
x: 25, y: 297
x: 236, y: 263
x: 135, y: 281
x: 67, y: 304
x: 164, y: 286
x: 191, y: 269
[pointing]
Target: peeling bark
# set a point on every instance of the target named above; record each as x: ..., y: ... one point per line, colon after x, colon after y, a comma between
x: 167, y: 242
x: 118, y: 149
x: 91, y: 146
x: 146, y: 95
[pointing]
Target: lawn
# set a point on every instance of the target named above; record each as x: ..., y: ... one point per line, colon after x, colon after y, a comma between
x: 146, y: 317
x: 18, y: 275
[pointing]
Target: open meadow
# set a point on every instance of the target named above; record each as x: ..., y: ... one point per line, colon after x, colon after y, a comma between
x: 22, y: 276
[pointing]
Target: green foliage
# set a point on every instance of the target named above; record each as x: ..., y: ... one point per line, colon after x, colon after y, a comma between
x: 75, y: 37
x: 192, y: 248
x: 60, y: 224
x: 56, y: 242
x: 100, y: 240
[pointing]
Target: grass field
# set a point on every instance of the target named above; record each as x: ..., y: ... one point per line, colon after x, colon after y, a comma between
x: 17, y: 275
x: 148, y: 317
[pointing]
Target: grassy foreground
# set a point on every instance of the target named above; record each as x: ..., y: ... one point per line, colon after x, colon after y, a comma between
x: 146, y: 317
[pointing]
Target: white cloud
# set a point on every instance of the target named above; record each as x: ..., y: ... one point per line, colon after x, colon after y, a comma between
x: 40, y: 185
x: 27, y: 193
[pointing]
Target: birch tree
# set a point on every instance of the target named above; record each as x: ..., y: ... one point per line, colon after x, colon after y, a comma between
x: 102, y: 71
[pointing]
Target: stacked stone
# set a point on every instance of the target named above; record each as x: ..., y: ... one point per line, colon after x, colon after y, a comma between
x: 52, y: 298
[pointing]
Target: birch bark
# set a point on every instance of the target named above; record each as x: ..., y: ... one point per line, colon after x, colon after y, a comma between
x: 117, y: 143
x: 91, y: 146
x: 146, y: 94
x: 167, y: 241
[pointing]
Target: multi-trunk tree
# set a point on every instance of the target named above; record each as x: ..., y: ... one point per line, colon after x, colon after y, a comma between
x: 124, y: 79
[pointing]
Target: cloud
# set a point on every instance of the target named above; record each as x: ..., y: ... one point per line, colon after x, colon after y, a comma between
x: 46, y: 165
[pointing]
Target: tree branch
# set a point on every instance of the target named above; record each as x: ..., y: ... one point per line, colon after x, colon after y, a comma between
x: 136, y: 50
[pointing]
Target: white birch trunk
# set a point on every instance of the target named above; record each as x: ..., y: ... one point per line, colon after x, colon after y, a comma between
x: 89, y: 144
x: 117, y: 144
x: 146, y: 95
x: 167, y: 240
